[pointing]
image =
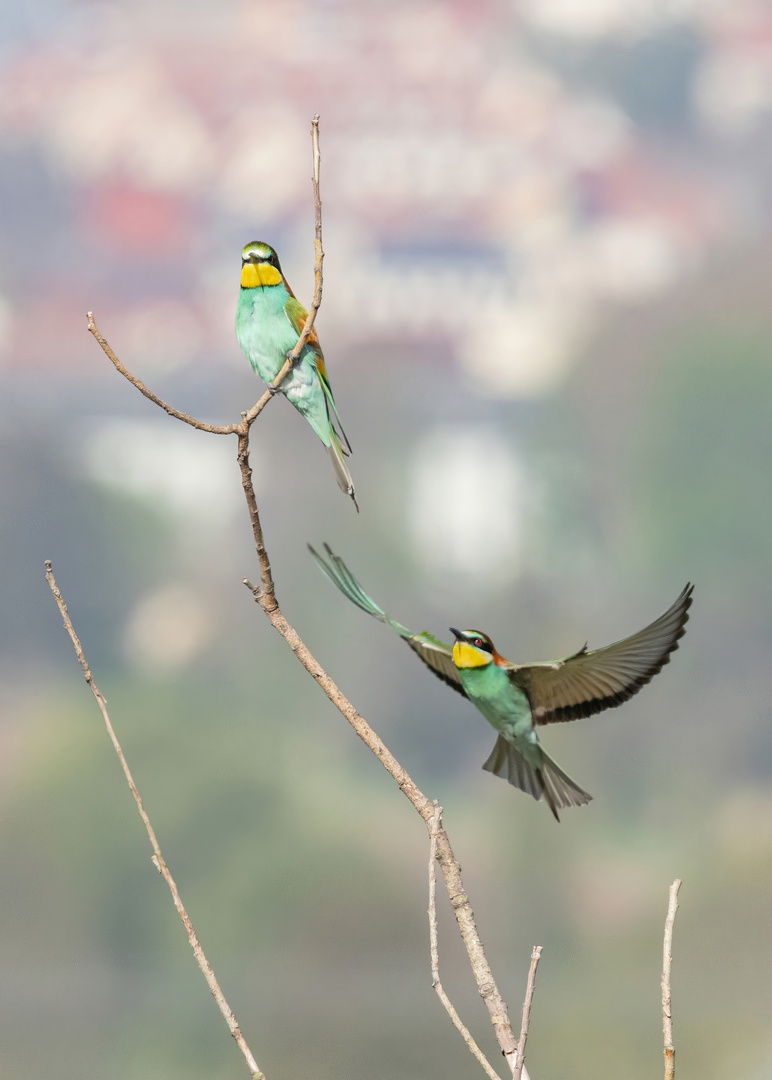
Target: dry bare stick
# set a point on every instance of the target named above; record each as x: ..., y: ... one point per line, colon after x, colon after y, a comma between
x: 667, y: 960
x: 213, y: 429
x: 265, y: 596
x: 459, y: 901
x: 435, y: 954
x: 520, y: 1069
x: 158, y: 859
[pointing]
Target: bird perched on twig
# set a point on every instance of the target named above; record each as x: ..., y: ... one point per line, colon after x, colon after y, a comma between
x: 269, y: 321
x: 516, y: 698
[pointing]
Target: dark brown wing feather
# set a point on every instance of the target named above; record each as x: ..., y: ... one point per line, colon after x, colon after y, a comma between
x: 590, y: 681
x: 438, y: 657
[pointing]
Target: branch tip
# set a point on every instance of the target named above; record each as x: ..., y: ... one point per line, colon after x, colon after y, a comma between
x: 256, y: 590
x: 667, y: 960
x: 519, y: 1068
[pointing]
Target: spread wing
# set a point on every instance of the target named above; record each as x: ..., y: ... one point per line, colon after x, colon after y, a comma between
x: 435, y: 654
x: 297, y: 316
x: 590, y: 681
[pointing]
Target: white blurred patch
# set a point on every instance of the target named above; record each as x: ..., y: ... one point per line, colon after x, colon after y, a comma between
x: 124, y: 114
x: 417, y: 296
x: 524, y: 349
x: 167, y: 630
x: 595, y: 18
x: 631, y: 259
x: 733, y: 90
x: 189, y: 472
x: 468, y: 498
x: 265, y: 160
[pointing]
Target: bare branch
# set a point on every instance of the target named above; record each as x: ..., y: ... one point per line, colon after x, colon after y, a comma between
x: 520, y: 1069
x: 229, y: 429
x: 264, y: 595
x: 213, y: 429
x: 459, y: 901
x: 434, y: 947
x: 318, y: 252
x: 667, y: 960
x: 158, y: 859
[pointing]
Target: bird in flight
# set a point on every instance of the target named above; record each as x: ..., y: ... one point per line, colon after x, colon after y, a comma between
x: 516, y: 699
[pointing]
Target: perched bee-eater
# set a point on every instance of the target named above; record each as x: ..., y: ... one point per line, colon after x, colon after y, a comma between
x: 269, y: 321
x: 515, y: 698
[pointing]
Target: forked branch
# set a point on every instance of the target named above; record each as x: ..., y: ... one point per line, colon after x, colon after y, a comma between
x: 456, y: 1020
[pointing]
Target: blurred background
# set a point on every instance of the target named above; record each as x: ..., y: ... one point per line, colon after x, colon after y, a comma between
x: 548, y: 229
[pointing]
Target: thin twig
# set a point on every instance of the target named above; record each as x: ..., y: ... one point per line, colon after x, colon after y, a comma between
x: 520, y: 1069
x: 247, y: 419
x: 667, y: 960
x: 318, y: 252
x: 266, y: 590
x: 213, y: 429
x: 158, y: 859
x: 435, y: 954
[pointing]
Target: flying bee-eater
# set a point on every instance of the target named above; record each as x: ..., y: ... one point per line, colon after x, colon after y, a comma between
x: 517, y: 698
x: 269, y: 321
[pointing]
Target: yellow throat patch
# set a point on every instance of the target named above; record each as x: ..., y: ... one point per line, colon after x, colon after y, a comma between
x: 466, y: 656
x: 254, y: 274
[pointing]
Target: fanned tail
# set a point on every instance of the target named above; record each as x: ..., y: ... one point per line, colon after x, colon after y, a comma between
x: 547, y: 782
x: 339, y: 467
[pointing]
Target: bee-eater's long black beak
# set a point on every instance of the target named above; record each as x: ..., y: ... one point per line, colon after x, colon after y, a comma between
x: 456, y: 633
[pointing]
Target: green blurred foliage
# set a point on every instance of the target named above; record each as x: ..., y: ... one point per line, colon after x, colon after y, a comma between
x: 303, y: 869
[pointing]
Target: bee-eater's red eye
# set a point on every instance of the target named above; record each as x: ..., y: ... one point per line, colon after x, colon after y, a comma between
x: 478, y: 642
